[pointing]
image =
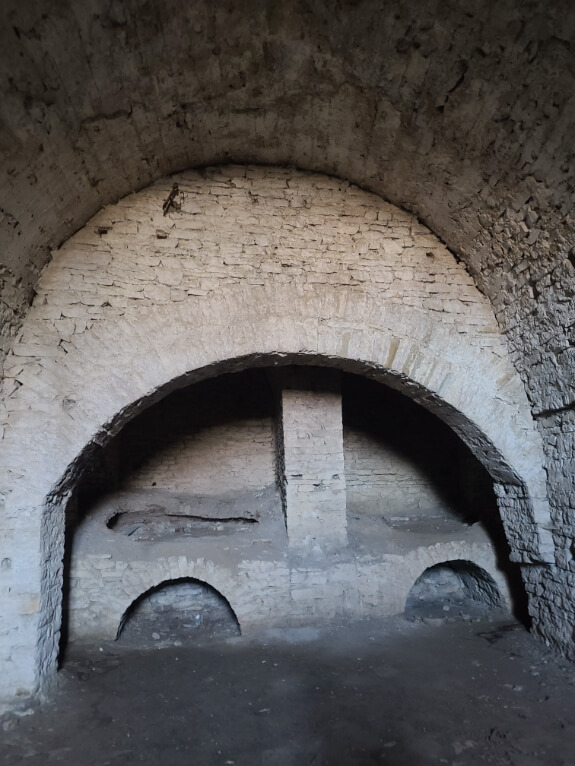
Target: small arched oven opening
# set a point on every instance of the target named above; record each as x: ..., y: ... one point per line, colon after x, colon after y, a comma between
x: 182, y: 612
x: 453, y: 590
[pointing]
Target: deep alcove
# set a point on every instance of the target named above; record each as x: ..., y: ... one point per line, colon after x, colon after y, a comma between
x: 202, y: 472
x: 385, y: 188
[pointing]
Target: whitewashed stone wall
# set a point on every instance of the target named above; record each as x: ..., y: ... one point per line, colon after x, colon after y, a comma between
x: 470, y: 127
x: 218, y: 459
x: 221, y: 440
x: 260, y: 579
x: 213, y: 438
x: 106, y: 557
x: 258, y: 265
x: 312, y: 465
x: 403, y: 463
x: 378, y: 478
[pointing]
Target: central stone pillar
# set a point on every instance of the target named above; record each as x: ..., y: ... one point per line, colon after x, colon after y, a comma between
x: 311, y: 459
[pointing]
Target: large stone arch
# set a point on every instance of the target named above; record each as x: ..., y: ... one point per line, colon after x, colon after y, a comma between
x: 410, y: 100
x: 162, y: 572
x: 74, y: 377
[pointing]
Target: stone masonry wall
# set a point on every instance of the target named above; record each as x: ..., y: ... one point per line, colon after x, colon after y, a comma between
x: 176, y: 614
x: 255, y: 264
x: 528, y: 263
x: 313, y: 472
x: 253, y: 226
x: 219, y: 459
x: 216, y: 437
x: 463, y: 116
x: 380, y: 479
x: 459, y: 115
x: 404, y: 463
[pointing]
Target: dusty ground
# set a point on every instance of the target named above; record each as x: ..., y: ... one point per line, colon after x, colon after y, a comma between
x: 389, y: 692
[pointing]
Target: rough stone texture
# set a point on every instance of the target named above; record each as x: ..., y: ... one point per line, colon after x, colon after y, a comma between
x: 334, y: 249
x: 218, y: 437
x: 156, y: 514
x: 209, y: 439
x: 447, y: 590
x: 215, y: 460
x: 377, y: 477
x: 403, y: 463
x: 446, y: 110
x: 258, y: 266
x: 178, y: 613
x: 463, y: 115
x: 312, y: 466
x: 245, y: 524
x: 265, y: 585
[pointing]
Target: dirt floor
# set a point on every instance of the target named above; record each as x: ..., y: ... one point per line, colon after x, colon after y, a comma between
x: 376, y: 692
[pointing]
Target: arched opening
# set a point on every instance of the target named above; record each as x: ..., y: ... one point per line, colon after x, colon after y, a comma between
x: 191, y: 489
x: 482, y: 135
x: 407, y: 466
x: 217, y: 439
x: 368, y: 297
x: 181, y: 612
x: 453, y: 590
x: 199, y: 462
x: 373, y: 304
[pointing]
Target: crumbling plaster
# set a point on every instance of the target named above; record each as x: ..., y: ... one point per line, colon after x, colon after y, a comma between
x: 258, y: 266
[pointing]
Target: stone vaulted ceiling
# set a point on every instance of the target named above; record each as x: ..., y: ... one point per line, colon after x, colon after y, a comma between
x: 460, y: 112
